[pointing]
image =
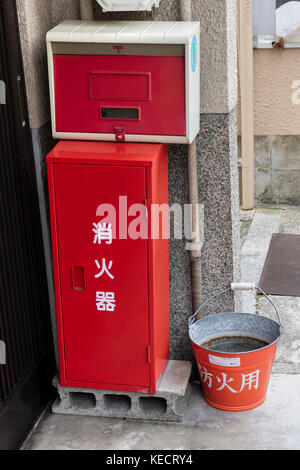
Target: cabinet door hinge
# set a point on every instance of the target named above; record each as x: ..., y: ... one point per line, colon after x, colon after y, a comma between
x: 149, y: 353
x: 146, y: 209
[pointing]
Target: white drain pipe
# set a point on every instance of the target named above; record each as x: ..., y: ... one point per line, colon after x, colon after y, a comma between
x: 196, y: 274
x: 186, y: 10
x: 86, y: 10
x: 247, y: 102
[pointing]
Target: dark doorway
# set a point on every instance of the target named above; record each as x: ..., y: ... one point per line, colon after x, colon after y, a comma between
x: 25, y: 328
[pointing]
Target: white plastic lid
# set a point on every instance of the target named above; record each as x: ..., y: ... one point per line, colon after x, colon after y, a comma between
x: 128, y: 5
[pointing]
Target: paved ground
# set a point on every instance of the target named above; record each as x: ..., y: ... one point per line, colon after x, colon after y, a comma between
x: 274, y: 425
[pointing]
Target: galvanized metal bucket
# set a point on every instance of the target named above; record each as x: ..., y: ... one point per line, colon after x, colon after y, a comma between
x: 235, y: 354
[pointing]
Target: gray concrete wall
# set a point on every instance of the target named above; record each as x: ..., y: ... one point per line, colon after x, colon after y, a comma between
x: 216, y: 146
x: 277, y: 169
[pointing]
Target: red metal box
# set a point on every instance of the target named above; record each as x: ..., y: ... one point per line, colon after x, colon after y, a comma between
x: 131, y: 81
x: 111, y: 287
x: 98, y: 94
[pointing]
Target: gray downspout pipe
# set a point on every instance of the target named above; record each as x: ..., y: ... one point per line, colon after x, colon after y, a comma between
x: 196, y: 274
x: 86, y: 10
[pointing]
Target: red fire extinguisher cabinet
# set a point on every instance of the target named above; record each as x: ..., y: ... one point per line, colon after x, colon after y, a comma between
x: 111, y: 287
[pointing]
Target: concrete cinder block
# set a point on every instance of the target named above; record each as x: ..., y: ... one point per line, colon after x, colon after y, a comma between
x: 169, y: 404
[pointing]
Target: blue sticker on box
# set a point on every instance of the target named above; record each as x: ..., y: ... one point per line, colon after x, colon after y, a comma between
x: 194, y: 54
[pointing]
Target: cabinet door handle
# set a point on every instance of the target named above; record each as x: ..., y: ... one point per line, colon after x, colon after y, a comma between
x: 77, y: 278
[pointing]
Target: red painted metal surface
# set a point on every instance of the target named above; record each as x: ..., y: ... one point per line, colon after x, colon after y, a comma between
x: 87, y: 84
x: 123, y: 344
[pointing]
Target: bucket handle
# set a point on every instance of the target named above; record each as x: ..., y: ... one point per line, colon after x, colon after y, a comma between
x: 239, y: 287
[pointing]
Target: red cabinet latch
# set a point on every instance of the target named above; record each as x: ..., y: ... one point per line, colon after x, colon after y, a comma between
x: 120, y: 134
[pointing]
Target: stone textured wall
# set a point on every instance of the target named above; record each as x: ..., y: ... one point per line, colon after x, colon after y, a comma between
x: 277, y: 169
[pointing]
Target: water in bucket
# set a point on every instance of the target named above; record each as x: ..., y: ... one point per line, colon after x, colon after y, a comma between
x: 234, y: 344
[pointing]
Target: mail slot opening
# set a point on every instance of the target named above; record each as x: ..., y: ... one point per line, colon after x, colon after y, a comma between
x: 120, y: 113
